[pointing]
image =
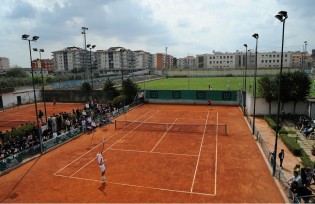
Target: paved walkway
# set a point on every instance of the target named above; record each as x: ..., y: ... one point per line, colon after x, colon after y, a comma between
x: 304, y: 143
x: 290, y: 160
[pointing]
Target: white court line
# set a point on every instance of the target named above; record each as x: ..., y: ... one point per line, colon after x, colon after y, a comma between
x: 126, y: 150
x: 200, y: 148
x: 137, y: 186
x: 92, y: 149
x: 162, y: 189
x: 111, y: 145
x: 163, y: 136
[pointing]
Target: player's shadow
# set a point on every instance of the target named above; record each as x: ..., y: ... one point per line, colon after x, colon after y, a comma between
x: 102, y: 188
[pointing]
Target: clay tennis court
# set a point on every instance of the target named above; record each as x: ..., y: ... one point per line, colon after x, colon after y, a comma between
x: 143, y: 165
x: 26, y: 113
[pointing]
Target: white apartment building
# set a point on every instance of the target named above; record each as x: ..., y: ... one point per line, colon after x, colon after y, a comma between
x: 68, y: 59
x: 73, y: 59
x: 273, y: 59
x: 115, y: 59
x: 143, y: 60
x: 188, y: 62
x: 4, y: 63
x: 219, y: 60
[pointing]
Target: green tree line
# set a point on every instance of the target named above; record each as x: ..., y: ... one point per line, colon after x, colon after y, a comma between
x: 295, y: 86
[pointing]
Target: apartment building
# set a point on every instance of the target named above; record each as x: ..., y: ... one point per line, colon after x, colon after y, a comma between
x: 4, y: 63
x: 219, y: 60
x: 74, y: 59
x: 143, y: 60
x: 47, y: 64
x: 162, y: 61
x: 188, y: 62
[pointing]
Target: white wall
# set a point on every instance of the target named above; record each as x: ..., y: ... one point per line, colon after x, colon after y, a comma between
x: 262, y: 107
x: 27, y: 96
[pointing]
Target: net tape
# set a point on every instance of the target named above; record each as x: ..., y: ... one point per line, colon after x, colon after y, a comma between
x: 170, y: 127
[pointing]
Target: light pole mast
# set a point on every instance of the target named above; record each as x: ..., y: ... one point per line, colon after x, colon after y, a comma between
x: 282, y: 16
x: 83, y: 31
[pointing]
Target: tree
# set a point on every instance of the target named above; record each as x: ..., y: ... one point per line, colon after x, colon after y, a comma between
x: 301, y: 87
x: 16, y: 72
x: 267, y: 89
x: 294, y: 87
x: 86, y: 87
x: 110, y: 91
x: 49, y: 79
x: 129, y: 90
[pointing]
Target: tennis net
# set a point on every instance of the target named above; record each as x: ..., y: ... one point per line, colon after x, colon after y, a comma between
x: 170, y: 127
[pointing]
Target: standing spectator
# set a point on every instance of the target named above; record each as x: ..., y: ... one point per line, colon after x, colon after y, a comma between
x: 40, y: 114
x: 83, y: 124
x: 68, y: 124
x: 281, y: 157
x: 1, y: 137
x: 297, y: 178
x: 54, y: 123
x: 297, y: 168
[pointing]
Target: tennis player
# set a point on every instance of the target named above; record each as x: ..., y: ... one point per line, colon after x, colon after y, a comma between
x: 209, y: 103
x: 101, y: 164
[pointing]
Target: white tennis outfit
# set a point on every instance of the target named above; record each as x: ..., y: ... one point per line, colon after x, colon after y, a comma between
x: 100, y: 161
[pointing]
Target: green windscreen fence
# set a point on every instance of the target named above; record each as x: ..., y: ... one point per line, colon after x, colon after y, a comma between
x: 191, y: 95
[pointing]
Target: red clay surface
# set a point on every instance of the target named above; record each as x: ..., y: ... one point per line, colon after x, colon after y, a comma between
x: 26, y: 113
x: 152, y: 166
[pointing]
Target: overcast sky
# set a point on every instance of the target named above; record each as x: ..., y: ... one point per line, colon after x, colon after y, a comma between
x: 184, y: 26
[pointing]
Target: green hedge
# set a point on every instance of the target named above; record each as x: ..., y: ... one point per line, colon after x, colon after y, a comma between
x: 306, y: 160
x: 19, y: 132
x: 290, y: 142
x: 273, y: 125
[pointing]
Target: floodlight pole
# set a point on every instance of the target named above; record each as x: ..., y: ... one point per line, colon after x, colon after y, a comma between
x: 34, y: 38
x: 282, y: 16
x: 256, y: 36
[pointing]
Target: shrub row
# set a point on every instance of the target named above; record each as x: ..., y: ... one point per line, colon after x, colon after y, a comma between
x: 19, y: 132
x: 290, y: 142
x: 271, y: 122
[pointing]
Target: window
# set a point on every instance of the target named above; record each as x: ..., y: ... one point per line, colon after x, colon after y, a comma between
x: 223, y: 57
x: 220, y: 57
x: 231, y: 57
x: 227, y: 57
x: 262, y: 61
x: 210, y: 57
x: 285, y: 55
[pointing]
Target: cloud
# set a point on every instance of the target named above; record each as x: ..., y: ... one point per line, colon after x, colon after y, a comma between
x: 151, y: 25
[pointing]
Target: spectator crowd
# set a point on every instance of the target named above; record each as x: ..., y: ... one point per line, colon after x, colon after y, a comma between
x: 92, y: 115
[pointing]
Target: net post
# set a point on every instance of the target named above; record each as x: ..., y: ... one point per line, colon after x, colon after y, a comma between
x: 115, y: 125
x: 225, y: 129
